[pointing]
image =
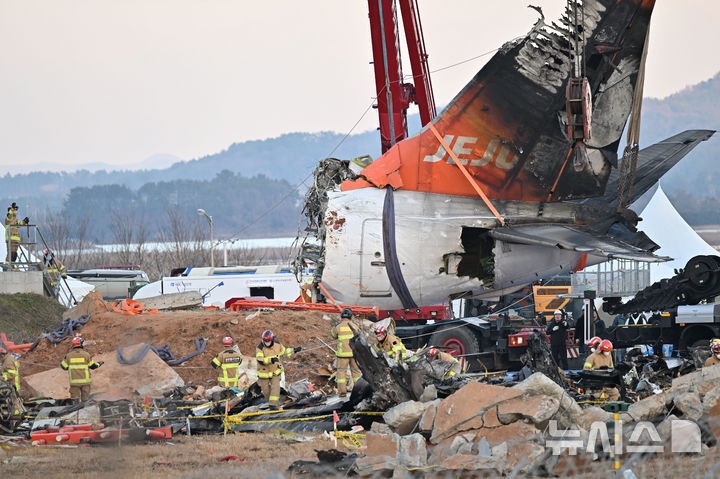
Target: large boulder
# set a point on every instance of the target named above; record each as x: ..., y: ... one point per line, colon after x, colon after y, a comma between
x: 412, y: 451
x: 649, y: 408
x: 536, y: 409
x: 148, y: 377
x: 690, y: 405
x: 703, y: 379
x: 569, y: 412
x: 404, y: 417
x: 464, y: 409
x: 427, y: 421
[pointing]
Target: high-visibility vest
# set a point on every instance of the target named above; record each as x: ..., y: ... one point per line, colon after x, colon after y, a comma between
x: 229, y: 362
x: 392, y: 345
x: 78, y: 363
x: 264, y: 356
x: 343, y: 333
x: 11, y: 372
x: 12, y: 231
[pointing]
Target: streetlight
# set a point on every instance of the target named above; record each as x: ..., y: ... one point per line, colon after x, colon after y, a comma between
x: 201, y: 212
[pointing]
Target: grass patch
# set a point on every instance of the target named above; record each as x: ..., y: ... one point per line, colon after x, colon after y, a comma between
x: 24, y: 317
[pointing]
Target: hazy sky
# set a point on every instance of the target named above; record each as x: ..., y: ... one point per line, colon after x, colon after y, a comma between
x: 117, y: 81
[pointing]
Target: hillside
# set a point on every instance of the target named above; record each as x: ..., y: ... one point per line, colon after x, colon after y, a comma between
x: 24, y: 317
x: 692, y: 185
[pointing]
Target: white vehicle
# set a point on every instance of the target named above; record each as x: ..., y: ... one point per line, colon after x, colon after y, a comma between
x: 112, y: 283
x: 218, y: 285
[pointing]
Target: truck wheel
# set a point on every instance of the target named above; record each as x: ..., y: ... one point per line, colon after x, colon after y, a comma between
x: 458, y: 340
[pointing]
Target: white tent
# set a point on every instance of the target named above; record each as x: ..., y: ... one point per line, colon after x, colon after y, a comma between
x: 664, y: 225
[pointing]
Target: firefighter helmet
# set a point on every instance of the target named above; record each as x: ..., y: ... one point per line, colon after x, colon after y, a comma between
x: 268, y: 336
x: 594, y: 342
x: 227, y: 341
x: 606, y: 345
x: 77, y: 342
x: 433, y: 352
x: 381, y: 332
x: 715, y: 348
x: 346, y: 313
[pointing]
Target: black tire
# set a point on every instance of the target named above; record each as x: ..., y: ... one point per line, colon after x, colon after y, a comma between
x: 452, y: 336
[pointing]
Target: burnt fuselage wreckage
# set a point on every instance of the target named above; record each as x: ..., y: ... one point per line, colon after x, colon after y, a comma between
x: 518, y: 179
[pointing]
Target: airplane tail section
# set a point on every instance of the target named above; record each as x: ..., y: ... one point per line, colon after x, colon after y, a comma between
x: 508, y: 126
x: 656, y: 160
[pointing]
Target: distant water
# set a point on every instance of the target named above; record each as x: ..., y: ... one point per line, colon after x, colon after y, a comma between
x: 219, y: 246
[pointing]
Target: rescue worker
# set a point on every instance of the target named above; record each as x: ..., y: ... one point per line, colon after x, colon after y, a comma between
x: 10, y: 373
x: 12, y: 233
x: 557, y: 330
x: 78, y: 363
x: 715, y: 356
x: 435, y: 353
x: 268, y: 355
x: 601, y: 357
x: 389, y: 344
x: 229, y: 362
x: 54, y: 270
x: 344, y: 332
x: 10, y: 369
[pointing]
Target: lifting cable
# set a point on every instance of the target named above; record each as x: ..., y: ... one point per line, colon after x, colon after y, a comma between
x: 628, y: 165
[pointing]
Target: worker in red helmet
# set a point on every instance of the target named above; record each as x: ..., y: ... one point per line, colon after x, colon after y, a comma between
x: 78, y: 363
x: 268, y: 354
x: 344, y: 332
x: 715, y: 354
x: 389, y: 343
x: 229, y: 361
x: 594, y: 343
x: 601, y: 358
x: 435, y: 353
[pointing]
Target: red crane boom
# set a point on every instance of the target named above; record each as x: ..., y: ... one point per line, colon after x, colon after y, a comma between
x: 393, y: 94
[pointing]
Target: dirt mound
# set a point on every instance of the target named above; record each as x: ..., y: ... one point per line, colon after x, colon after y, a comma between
x: 106, y: 331
x: 24, y: 317
x: 92, y: 303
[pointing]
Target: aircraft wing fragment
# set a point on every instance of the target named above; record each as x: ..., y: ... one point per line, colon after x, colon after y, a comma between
x: 575, y: 239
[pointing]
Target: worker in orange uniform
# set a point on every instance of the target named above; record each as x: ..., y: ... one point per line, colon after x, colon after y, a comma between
x: 344, y: 332
x: 435, y: 353
x: 268, y: 355
x: 12, y: 233
x: 389, y: 344
x: 715, y: 356
x: 229, y: 362
x: 10, y: 369
x: 78, y: 363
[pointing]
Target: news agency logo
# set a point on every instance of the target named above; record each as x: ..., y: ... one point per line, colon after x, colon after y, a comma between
x: 685, y: 438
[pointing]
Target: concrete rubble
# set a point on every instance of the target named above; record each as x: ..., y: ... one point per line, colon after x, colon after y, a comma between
x: 413, y: 421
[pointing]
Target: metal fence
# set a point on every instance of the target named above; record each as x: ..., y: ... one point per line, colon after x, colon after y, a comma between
x: 613, y: 278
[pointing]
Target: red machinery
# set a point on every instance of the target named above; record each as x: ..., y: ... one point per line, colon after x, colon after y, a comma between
x: 393, y: 94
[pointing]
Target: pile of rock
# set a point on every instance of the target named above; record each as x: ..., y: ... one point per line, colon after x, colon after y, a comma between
x: 504, y: 430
